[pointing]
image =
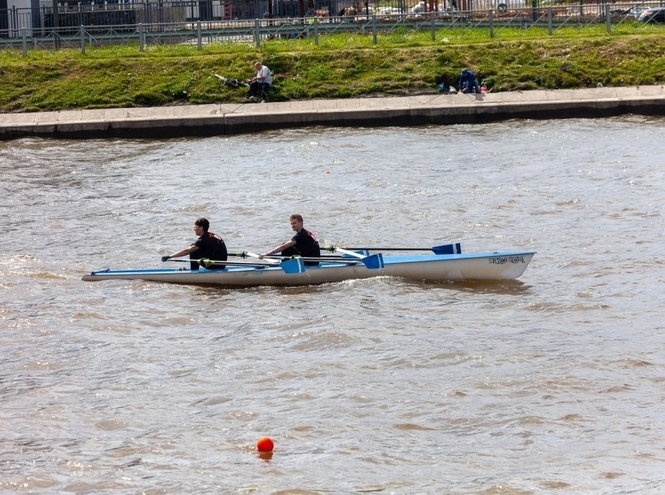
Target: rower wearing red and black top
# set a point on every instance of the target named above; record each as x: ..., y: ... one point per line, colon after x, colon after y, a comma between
x: 302, y: 244
x: 208, y: 246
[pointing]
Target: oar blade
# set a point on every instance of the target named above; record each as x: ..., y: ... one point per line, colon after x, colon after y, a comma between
x: 350, y: 254
x: 454, y: 248
x: 373, y: 262
x: 292, y: 266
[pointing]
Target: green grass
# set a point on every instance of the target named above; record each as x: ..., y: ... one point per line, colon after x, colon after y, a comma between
x: 339, y: 66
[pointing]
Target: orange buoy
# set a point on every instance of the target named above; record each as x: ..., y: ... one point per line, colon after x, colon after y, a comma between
x: 264, y: 444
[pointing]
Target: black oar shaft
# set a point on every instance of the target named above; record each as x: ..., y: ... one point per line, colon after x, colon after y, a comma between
x: 383, y: 249
x: 332, y: 259
x: 451, y: 248
x: 332, y: 249
x: 323, y: 260
x: 204, y: 261
x: 313, y: 258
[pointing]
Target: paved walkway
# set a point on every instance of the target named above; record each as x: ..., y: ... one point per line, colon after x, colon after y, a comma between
x: 208, y: 120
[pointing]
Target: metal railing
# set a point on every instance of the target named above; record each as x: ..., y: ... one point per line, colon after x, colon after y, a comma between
x: 150, y: 23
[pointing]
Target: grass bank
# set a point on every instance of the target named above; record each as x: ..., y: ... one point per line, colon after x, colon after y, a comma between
x: 340, y: 66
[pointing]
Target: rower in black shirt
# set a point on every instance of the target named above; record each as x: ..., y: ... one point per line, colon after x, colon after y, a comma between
x: 302, y: 244
x: 208, y: 246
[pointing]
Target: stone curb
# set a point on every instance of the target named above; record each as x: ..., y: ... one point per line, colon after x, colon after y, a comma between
x: 226, y: 119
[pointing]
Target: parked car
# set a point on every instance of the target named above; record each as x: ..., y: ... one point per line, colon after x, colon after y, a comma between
x: 655, y: 14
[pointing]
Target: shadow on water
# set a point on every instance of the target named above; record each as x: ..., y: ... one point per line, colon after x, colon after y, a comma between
x: 220, y: 291
x: 506, y: 287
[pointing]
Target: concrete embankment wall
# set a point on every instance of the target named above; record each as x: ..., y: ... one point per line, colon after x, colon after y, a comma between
x: 219, y: 119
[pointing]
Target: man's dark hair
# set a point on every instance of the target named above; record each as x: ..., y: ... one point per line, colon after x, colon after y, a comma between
x: 203, y: 222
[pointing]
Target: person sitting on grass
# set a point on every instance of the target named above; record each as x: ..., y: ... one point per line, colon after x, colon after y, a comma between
x: 468, y: 82
x: 260, y: 84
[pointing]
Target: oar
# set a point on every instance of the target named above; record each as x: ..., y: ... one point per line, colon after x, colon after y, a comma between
x: 247, y: 254
x: 372, y: 262
x: 291, y: 266
x: 274, y: 258
x: 454, y: 248
x: 344, y: 260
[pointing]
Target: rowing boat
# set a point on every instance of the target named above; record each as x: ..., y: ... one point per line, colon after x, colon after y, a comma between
x: 421, y: 267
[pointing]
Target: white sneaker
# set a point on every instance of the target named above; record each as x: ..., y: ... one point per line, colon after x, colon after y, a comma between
x: 263, y: 101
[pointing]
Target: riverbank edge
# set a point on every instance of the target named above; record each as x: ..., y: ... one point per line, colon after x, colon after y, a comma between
x: 229, y: 119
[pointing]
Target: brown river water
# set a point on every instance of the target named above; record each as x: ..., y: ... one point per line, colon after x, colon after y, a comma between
x: 554, y: 383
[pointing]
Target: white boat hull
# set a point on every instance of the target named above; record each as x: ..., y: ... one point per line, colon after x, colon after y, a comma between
x: 425, y: 268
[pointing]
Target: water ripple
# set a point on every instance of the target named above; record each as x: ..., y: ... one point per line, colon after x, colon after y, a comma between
x: 552, y: 383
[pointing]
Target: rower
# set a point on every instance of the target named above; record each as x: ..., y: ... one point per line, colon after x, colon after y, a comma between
x: 207, y: 246
x: 304, y: 243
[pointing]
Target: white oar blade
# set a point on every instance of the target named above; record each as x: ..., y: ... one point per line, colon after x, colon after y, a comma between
x: 350, y: 253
